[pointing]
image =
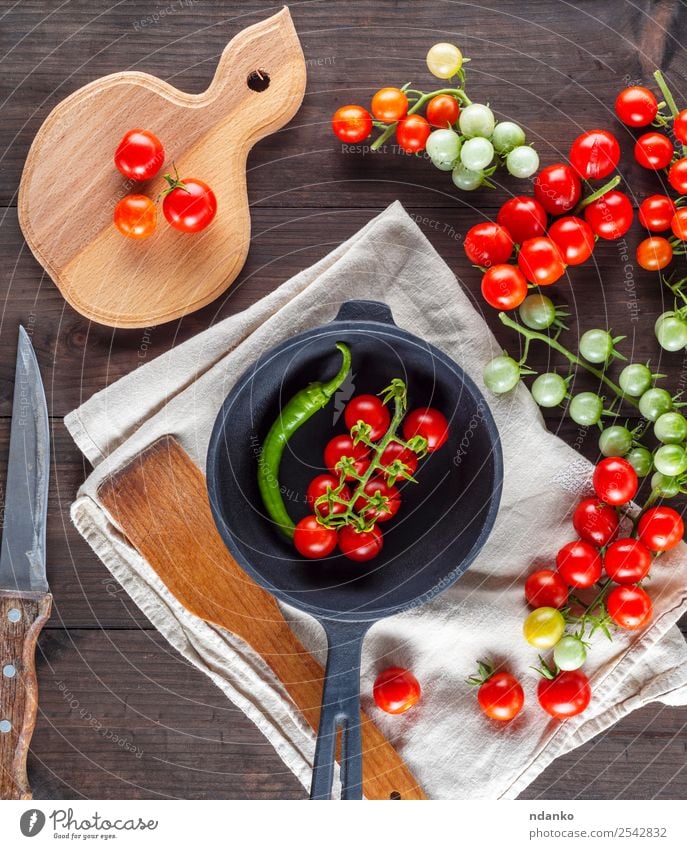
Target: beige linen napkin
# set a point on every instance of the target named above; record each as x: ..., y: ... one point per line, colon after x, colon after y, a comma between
x: 451, y: 747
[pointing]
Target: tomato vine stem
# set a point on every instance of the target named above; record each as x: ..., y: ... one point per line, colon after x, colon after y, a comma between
x: 458, y: 93
x: 531, y: 335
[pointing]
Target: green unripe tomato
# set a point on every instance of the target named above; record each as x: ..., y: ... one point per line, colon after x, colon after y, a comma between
x: 443, y: 148
x: 585, y: 408
x: 506, y: 136
x: 671, y: 332
x: 664, y: 486
x: 476, y: 120
x: 501, y: 374
x: 466, y: 180
x: 671, y: 428
x: 670, y: 460
x: 596, y: 346
x: 635, y: 379
x: 477, y: 153
x: 641, y: 460
x: 549, y: 389
x: 569, y: 653
x: 654, y: 403
x: 615, y: 441
x: 537, y: 312
x: 522, y: 162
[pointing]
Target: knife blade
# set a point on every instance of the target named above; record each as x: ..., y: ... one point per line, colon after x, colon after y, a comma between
x: 22, y: 560
x: 24, y: 598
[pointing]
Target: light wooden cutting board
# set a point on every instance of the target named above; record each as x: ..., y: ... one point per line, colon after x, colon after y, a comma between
x: 159, y: 500
x: 70, y: 185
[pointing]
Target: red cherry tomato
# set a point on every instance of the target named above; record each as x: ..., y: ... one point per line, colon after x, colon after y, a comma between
x: 443, y: 111
x: 343, y: 446
x: 360, y: 546
x: 504, y: 287
x: 629, y: 607
x: 501, y: 696
x: 654, y: 253
x: 320, y: 486
x: 615, y: 481
x: 523, y: 217
x: 574, y: 238
x: 579, y: 564
x: 654, y: 151
x: 385, y: 511
x: 595, y: 522
x: 546, y: 588
x: 627, y: 561
x: 352, y: 123
x: 429, y: 423
x: 677, y: 176
x: 140, y: 155
x: 396, y: 451
x: 636, y: 106
x: 661, y: 528
x: 680, y: 126
x: 540, y: 261
x: 369, y: 409
x: 412, y: 133
x: 135, y: 216
x: 313, y: 540
x: 189, y: 205
x: 488, y: 244
x: 594, y: 154
x: 656, y: 213
x: 568, y: 694
x: 557, y: 188
x: 396, y: 689
x: 678, y: 224
x: 610, y: 216
x: 389, y: 105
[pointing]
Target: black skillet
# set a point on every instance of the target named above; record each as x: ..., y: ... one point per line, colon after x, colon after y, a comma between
x: 444, y: 521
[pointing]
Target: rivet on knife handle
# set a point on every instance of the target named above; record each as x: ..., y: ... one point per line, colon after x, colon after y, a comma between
x: 22, y: 616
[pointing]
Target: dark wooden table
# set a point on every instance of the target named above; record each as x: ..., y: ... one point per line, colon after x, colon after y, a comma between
x: 121, y: 714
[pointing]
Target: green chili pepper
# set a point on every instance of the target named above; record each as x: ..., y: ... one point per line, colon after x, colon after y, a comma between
x: 297, y: 411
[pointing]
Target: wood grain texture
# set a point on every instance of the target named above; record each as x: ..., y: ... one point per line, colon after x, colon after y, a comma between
x: 22, y: 617
x: 159, y: 500
x: 553, y: 66
x: 127, y: 283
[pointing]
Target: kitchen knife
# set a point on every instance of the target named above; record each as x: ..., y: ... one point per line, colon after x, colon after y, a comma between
x: 25, y: 600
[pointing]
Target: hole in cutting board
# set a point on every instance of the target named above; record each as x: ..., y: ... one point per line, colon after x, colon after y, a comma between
x: 394, y: 794
x: 258, y: 80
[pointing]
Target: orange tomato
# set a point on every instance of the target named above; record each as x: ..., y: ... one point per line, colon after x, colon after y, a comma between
x: 135, y: 216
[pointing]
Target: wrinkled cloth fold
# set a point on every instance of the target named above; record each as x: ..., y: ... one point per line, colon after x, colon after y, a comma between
x: 454, y: 751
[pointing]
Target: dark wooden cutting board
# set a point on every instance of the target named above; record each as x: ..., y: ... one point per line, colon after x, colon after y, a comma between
x: 160, y: 502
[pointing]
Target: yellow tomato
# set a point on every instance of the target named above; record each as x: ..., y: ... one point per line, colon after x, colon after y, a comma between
x: 444, y: 60
x: 544, y: 627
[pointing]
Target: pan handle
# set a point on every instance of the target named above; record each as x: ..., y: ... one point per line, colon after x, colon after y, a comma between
x: 340, y: 709
x: 365, y: 311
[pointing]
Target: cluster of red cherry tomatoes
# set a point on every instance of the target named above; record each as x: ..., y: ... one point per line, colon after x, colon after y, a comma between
x: 359, y: 492
x: 637, y: 107
x: 544, y: 249
x: 189, y: 205
x: 564, y: 690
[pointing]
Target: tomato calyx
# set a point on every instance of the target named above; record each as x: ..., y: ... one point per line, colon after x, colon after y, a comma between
x: 172, y: 183
x: 485, y: 671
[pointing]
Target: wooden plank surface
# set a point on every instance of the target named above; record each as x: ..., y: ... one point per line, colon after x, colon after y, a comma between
x: 554, y: 67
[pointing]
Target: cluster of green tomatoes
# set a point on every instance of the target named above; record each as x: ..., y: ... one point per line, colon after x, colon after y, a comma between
x: 635, y: 384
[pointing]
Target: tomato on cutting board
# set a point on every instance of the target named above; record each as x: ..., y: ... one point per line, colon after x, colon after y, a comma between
x: 189, y: 205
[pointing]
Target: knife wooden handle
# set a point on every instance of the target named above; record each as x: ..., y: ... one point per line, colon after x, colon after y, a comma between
x: 22, y: 617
